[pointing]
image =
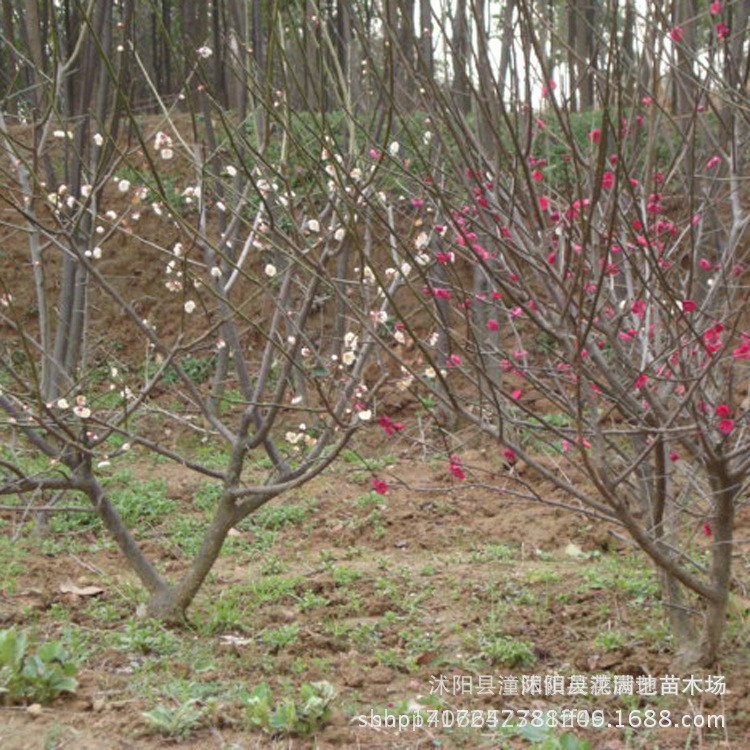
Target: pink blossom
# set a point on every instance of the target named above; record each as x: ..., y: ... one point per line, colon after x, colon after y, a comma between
x: 715, y: 8
x: 722, y: 30
x: 705, y: 264
x: 595, y: 135
x: 676, y: 33
x: 493, y: 325
x: 544, y: 202
x: 608, y: 180
x: 516, y: 394
x: 674, y: 456
x: 712, y: 162
x: 454, y: 360
x: 688, y: 306
x: 641, y: 380
x: 537, y: 175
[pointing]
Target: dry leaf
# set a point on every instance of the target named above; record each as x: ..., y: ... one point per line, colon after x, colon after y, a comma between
x: 70, y: 588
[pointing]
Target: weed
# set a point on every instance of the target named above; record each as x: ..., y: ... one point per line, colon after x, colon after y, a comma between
x: 11, y: 557
x: 611, y: 640
x: 508, y: 651
x: 343, y: 576
x: 146, y: 637
x: 311, y: 600
x: 303, y: 716
x: 492, y: 553
x: 38, y: 676
x: 178, y: 722
x: 276, y: 516
x: 281, y: 637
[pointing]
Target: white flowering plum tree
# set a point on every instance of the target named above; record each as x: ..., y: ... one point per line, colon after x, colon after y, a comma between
x: 247, y: 264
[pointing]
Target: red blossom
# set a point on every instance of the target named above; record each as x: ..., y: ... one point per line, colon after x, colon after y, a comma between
x: 641, y: 380
x: 707, y: 530
x: 726, y: 426
x: 722, y: 410
x: 379, y: 486
x: 608, y: 180
x: 595, y: 135
x: 493, y: 325
x: 676, y: 33
x: 743, y: 350
x: 722, y: 30
x: 455, y: 468
x: 389, y: 425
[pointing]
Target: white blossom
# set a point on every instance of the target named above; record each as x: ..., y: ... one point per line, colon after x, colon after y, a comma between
x: 98, y: 139
x: 190, y: 306
x: 123, y: 186
x: 204, y: 52
x: 313, y: 225
x: 270, y: 270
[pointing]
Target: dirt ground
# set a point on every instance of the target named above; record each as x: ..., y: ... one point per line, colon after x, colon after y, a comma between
x: 395, y: 599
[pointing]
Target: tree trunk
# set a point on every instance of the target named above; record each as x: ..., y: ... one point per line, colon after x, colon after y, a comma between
x: 169, y: 604
x: 460, y: 55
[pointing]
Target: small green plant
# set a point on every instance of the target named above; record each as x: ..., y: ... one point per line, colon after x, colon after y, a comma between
x: 303, y: 716
x: 507, y: 651
x: 39, y: 676
x: 176, y: 722
x: 611, y: 640
x: 281, y: 637
x: 343, y: 576
x: 546, y: 738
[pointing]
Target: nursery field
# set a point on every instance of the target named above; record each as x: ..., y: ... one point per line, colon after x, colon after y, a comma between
x: 368, y: 602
